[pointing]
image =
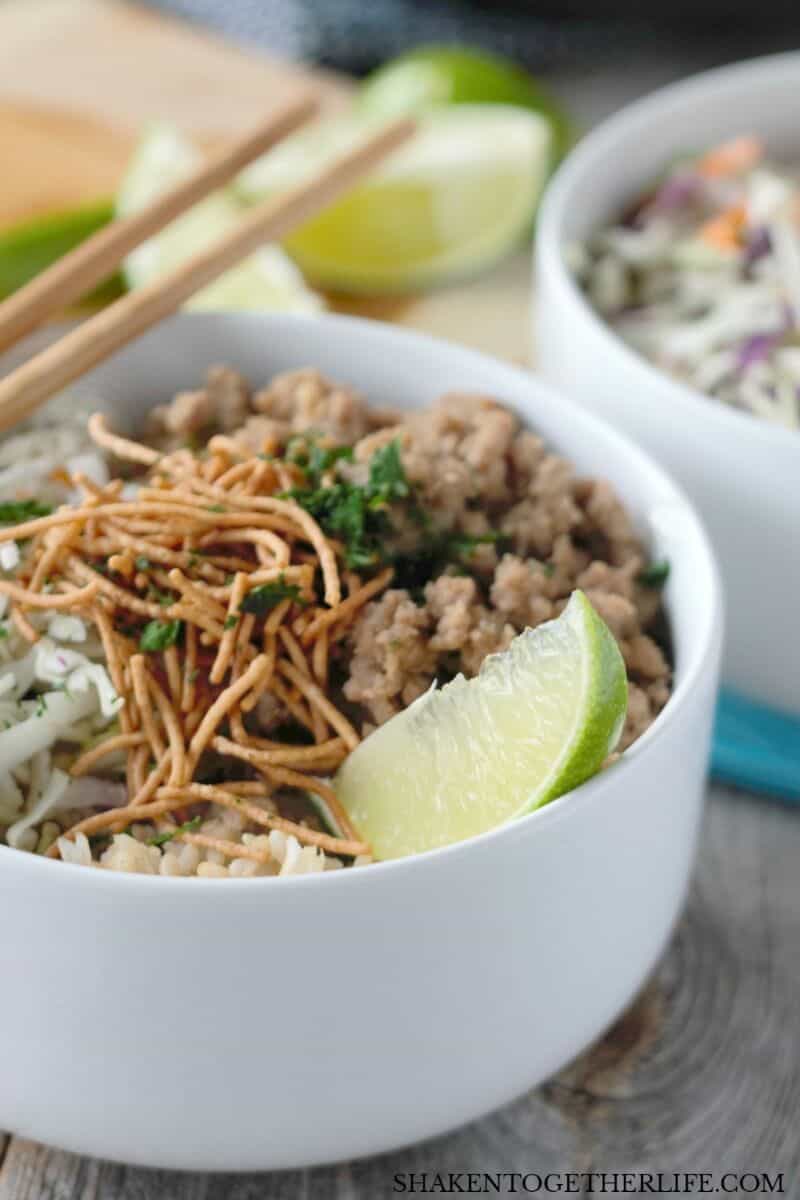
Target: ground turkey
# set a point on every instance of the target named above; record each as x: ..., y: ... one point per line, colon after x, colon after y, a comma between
x: 475, y: 473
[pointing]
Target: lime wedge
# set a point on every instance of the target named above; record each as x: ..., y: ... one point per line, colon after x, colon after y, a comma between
x: 434, y: 75
x: 449, y: 203
x: 31, y: 246
x: 267, y: 279
x: 538, y: 720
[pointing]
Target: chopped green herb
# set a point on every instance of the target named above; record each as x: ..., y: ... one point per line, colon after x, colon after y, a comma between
x: 3, y: 632
x: 321, y: 460
x: 655, y: 575
x: 159, y: 597
x: 160, y: 839
x: 14, y: 512
x: 461, y: 545
x: 231, y: 622
x: 549, y: 569
x: 216, y: 508
x: 194, y: 675
x: 356, y: 513
x: 387, y: 479
x: 41, y: 706
x: 342, y: 511
x: 158, y: 635
x: 142, y: 563
x: 314, y: 459
x: 435, y: 553
x: 268, y: 596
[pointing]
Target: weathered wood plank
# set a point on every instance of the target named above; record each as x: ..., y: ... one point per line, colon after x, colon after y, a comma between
x: 701, y: 1074
x: 707, y: 1070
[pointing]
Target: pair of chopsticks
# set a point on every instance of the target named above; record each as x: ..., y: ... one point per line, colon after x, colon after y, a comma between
x: 94, y: 260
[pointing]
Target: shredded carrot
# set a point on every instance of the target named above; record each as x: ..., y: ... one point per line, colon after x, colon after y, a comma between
x: 731, y: 158
x: 724, y: 232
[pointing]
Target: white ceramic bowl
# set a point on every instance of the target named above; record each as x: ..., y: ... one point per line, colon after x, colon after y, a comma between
x: 743, y: 474
x: 285, y: 1022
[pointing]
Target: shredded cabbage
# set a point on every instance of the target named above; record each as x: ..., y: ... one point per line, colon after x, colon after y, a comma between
x: 50, y: 694
x: 702, y: 277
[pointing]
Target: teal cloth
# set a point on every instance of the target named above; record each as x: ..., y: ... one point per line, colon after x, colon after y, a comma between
x: 756, y: 747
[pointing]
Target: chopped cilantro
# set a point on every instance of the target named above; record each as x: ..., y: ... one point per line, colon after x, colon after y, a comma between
x: 160, y: 839
x: 655, y: 575
x: 14, y: 512
x: 142, y: 563
x: 461, y: 545
x: 158, y: 635
x: 231, y: 622
x: 268, y: 596
x: 41, y: 706
x: 305, y: 452
x: 216, y: 508
x: 194, y: 675
x: 387, y: 479
x: 159, y: 597
x: 3, y: 632
x: 435, y: 552
x: 356, y: 513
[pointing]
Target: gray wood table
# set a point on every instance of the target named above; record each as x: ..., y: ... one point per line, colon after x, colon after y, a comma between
x: 702, y: 1074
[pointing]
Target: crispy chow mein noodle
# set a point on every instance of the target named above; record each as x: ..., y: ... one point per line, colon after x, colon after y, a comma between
x: 207, y: 633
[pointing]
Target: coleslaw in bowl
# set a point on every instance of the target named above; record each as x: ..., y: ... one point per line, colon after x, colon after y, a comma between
x: 743, y: 474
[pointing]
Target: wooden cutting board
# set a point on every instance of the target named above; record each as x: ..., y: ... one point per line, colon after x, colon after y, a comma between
x: 80, y: 79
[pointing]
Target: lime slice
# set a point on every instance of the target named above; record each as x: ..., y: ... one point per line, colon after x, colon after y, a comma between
x: 30, y: 247
x: 538, y: 720
x: 267, y: 279
x: 452, y: 201
x: 436, y: 75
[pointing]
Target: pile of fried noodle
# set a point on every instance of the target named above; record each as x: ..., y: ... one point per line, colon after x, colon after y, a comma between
x: 192, y: 555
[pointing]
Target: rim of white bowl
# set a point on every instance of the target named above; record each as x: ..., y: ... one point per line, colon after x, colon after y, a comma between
x: 599, y: 149
x: 704, y: 652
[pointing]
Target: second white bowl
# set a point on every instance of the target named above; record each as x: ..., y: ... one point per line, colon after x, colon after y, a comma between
x: 743, y: 474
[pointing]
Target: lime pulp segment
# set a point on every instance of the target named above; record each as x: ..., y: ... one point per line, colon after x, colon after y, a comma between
x: 539, y: 719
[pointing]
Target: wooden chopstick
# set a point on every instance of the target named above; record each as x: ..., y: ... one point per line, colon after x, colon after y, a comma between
x: 72, y: 276
x: 78, y: 351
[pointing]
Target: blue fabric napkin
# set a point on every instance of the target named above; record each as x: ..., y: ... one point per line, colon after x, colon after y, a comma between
x: 756, y: 747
